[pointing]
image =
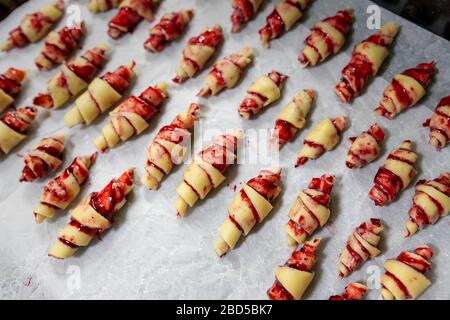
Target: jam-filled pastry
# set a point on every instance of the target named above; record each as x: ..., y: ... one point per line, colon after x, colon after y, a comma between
x: 169, y: 147
x: 226, y: 72
x: 310, y: 211
x: 250, y: 206
x: 206, y: 171
x: 59, y: 45
x: 365, y: 147
x: 282, y: 18
x: 430, y: 202
x: 243, y: 11
x: 34, y: 26
x: 93, y: 216
x: 404, y: 277
x: 264, y: 91
x: 354, y: 291
x: 130, y: 13
x: 361, y: 246
x: 327, y: 38
x: 14, y: 127
x: 323, y: 137
x: 102, y: 93
x: 293, y: 278
x: 197, y: 52
x: 61, y: 191
x: 131, y: 117
x: 292, y: 117
x: 394, y: 175
x: 170, y: 27
x: 10, y: 86
x: 367, y: 58
x: 405, y: 90
x: 439, y: 124
x: 72, y: 78
x: 96, y: 6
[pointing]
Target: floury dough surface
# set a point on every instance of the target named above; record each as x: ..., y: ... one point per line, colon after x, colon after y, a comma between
x: 150, y: 253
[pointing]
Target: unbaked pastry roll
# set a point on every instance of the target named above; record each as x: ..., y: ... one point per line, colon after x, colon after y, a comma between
x: 361, y: 246
x: 430, y: 202
x: 226, y: 72
x: 73, y: 77
x: 46, y: 156
x: 395, y: 175
x: 14, y: 127
x: 197, y: 52
x: 206, y: 171
x: 354, y: 291
x: 264, y: 91
x: 169, y: 147
x: 282, y: 18
x: 61, y: 191
x: 405, y: 90
x: 310, y: 211
x: 404, y: 277
x: 10, y: 86
x: 170, y: 27
x: 323, y: 137
x: 367, y: 58
x: 243, y: 11
x: 294, y: 277
x: 250, y: 206
x: 131, y: 117
x: 59, y: 45
x: 439, y: 124
x: 292, y: 117
x: 93, y: 216
x: 96, y: 6
x: 327, y: 38
x: 365, y: 148
x: 34, y: 26
x: 130, y: 13
x: 102, y: 93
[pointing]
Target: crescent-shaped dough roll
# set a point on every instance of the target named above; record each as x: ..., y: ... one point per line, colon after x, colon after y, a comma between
x: 243, y: 11
x: 61, y: 191
x: 226, y: 72
x: 46, y: 156
x: 96, y: 6
x: 354, y: 291
x: 250, y: 206
x: 439, y: 124
x: 365, y: 148
x: 394, y: 175
x: 10, y: 86
x: 367, y: 58
x: 405, y: 90
x: 282, y: 18
x: 323, y: 137
x: 33, y: 27
x: 430, y: 202
x: 14, y: 127
x: 130, y: 13
x: 310, y: 211
x: 206, y: 171
x: 264, y: 91
x: 102, y: 93
x: 59, y: 45
x: 404, y: 277
x: 361, y: 246
x: 93, y: 216
x: 72, y: 78
x: 293, y: 278
x: 169, y: 28
x: 131, y: 117
x: 292, y: 117
x: 327, y: 38
x: 169, y: 147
